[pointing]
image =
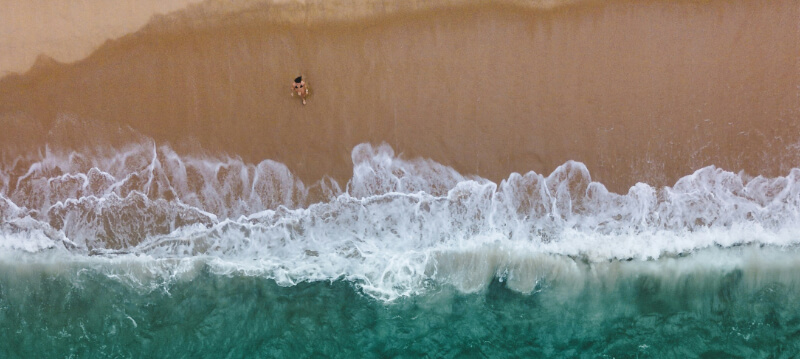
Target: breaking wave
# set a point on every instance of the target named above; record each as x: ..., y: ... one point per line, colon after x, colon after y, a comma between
x: 397, y: 227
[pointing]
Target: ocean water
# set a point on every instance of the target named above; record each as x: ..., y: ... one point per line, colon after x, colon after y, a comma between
x: 148, y: 253
x: 671, y: 308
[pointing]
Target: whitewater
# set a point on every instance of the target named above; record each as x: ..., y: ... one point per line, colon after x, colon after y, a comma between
x: 395, y: 226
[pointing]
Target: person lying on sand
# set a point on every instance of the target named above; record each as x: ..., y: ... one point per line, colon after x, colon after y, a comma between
x: 299, y: 87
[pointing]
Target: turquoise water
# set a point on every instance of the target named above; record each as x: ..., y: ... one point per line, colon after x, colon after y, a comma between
x: 678, y: 307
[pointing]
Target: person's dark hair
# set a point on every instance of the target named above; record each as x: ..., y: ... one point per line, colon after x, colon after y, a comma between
x: 298, y: 79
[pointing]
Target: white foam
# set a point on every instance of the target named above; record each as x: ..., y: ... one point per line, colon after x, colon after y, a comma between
x: 399, y: 225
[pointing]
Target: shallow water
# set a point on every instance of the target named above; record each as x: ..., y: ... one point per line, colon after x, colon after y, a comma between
x: 677, y: 307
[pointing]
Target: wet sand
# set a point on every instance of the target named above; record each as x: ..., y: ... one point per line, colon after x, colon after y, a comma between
x: 639, y: 91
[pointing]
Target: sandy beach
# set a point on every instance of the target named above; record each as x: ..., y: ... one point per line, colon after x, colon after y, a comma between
x: 639, y: 92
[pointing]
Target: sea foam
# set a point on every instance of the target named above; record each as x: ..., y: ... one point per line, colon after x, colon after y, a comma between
x: 398, y: 227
